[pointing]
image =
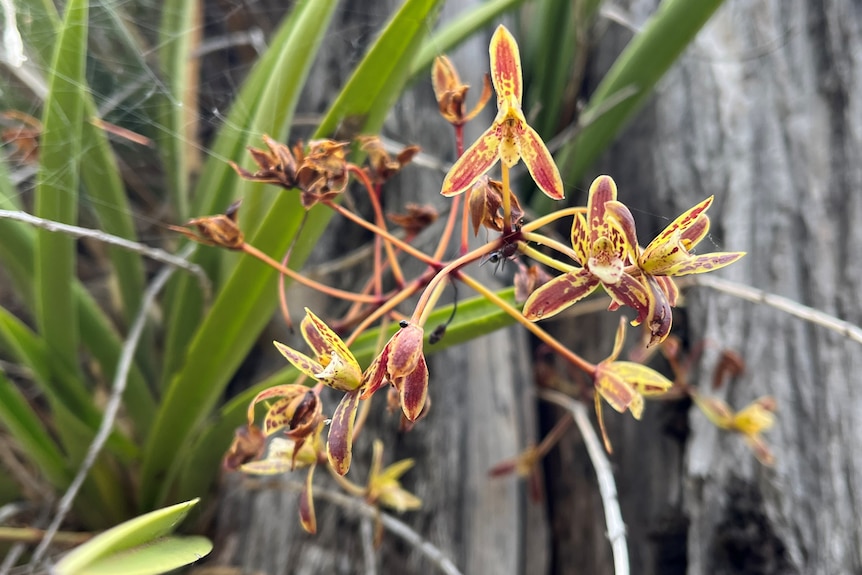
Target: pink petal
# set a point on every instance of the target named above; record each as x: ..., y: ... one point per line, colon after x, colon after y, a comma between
x: 559, y: 293
x: 541, y: 164
x: 505, y: 65
x: 478, y: 159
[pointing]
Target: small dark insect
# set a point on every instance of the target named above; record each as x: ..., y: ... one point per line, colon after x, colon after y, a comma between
x: 403, y: 323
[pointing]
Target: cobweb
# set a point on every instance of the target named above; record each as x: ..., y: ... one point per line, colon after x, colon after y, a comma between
x: 127, y: 86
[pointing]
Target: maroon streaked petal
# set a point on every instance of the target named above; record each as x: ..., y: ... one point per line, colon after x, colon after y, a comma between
x: 692, y: 235
x: 685, y: 220
x: 339, y: 445
x: 671, y: 291
x: 619, y: 216
x: 541, y: 164
x: 632, y: 293
x: 660, y: 315
x: 375, y: 375
x: 662, y: 255
x: 444, y: 77
x: 703, y: 263
x: 603, y: 189
x: 414, y: 390
x: 505, y: 65
x: 405, y: 351
x: 299, y: 360
x: 478, y: 159
x: 559, y: 293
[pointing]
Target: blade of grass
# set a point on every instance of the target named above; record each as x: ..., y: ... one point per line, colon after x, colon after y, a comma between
x: 57, y: 184
x: 643, y: 62
x: 57, y: 381
x: 17, y: 249
x: 277, y: 102
x: 29, y: 431
x: 180, y: 36
x: 217, y: 183
x: 242, y: 307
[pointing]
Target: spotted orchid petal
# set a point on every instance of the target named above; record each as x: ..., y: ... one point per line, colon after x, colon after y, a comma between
x: 630, y: 292
x: 478, y: 159
x: 672, y: 234
x: 703, y: 263
x: 616, y: 391
x: 559, y: 293
x: 659, y: 314
x: 622, y: 219
x: 646, y: 381
x: 603, y: 189
x: 506, y: 66
x: 541, y: 164
x: 299, y: 360
x: 339, y: 444
x: 580, y: 238
x: 326, y: 343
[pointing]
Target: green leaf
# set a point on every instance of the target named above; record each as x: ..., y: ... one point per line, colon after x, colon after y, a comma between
x: 130, y: 540
x: 57, y: 381
x: 247, y: 301
x: 459, y: 30
x: 24, y: 425
x: 57, y: 184
x: 637, y: 70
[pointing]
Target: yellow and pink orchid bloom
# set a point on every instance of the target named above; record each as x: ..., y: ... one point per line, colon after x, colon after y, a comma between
x: 603, y: 255
x: 750, y: 421
x: 509, y: 138
x: 668, y: 255
x: 624, y: 384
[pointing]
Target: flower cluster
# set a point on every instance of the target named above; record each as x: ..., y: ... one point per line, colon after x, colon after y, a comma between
x: 603, y: 251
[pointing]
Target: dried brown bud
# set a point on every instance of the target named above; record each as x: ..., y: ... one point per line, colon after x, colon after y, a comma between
x: 416, y: 219
x: 322, y: 174
x: 248, y: 444
x: 220, y: 230
x: 277, y: 166
x: 383, y: 166
x: 486, y: 206
x: 452, y: 94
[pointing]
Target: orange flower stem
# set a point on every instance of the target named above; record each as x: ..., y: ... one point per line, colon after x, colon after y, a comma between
x: 544, y: 259
x: 282, y: 293
x: 459, y: 139
x: 447, y: 232
x: 405, y: 247
x: 296, y: 276
x: 555, y: 345
x: 377, y: 278
x: 507, y: 199
x: 391, y: 303
x: 552, y: 217
x: 555, y: 434
x: 346, y: 484
x: 553, y: 244
x: 432, y: 291
x: 379, y: 219
x: 465, y: 229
